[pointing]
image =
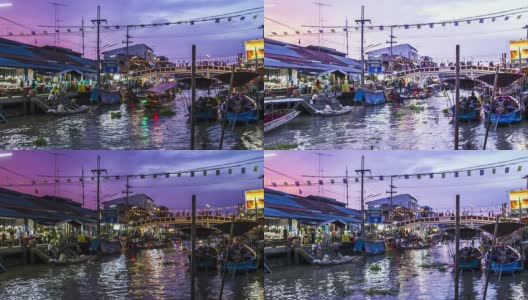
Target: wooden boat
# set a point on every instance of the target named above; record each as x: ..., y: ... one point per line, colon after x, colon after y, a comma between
x: 473, y: 114
x: 504, y: 259
x: 504, y: 110
x: 160, y: 96
x: 328, y: 261
x: 81, y: 109
x: 331, y: 112
x: 278, y: 112
x: 70, y: 261
x: 206, y: 258
x: 470, y: 259
x: 241, y: 108
x: 241, y: 258
x: 205, y: 108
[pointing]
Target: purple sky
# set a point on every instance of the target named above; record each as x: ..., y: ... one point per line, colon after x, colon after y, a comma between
x: 174, y: 192
x: 216, y: 40
x: 480, y: 41
x: 480, y: 191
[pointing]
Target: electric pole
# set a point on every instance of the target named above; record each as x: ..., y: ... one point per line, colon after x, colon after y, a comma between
x: 526, y: 27
x: 127, y: 42
x: 346, y: 183
x: 362, y: 21
x: 98, y: 171
x: 392, y: 41
x: 98, y: 21
x: 82, y: 34
x: 526, y: 177
x: 392, y: 191
x: 82, y: 184
x: 362, y: 171
x: 346, y: 34
x: 127, y: 192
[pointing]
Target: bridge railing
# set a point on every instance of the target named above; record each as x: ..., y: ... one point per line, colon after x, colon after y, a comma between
x: 187, y: 69
x: 453, y: 69
x: 452, y: 219
x: 186, y: 220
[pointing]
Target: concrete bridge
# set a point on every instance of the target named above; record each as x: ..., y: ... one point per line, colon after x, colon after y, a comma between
x: 450, y: 220
x: 469, y: 71
x: 187, y: 220
x: 204, y: 71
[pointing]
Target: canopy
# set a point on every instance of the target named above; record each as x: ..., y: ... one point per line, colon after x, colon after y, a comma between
x: 504, y: 228
x: 241, y: 227
x: 334, y: 221
x: 466, y: 233
x: 241, y: 78
x: 503, y: 79
x: 465, y: 83
x: 162, y: 87
x: 201, y: 82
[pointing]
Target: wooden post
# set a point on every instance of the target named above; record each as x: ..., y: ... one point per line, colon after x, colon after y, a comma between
x: 193, y: 92
x: 488, y: 121
x: 193, y: 245
x: 457, y: 246
x: 224, y: 120
x: 521, y: 237
x: 457, y: 96
x: 488, y: 263
x: 231, y: 234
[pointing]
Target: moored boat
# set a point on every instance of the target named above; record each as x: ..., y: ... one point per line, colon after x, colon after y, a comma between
x: 241, y: 108
x: 206, y: 258
x: 369, y: 97
x: 370, y: 247
x: 503, y: 110
x: 278, y: 112
x: 470, y: 259
x: 504, y: 259
x: 58, y: 112
x: 241, y: 258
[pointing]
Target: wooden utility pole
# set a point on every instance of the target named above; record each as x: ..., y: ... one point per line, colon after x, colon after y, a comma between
x: 362, y: 21
x: 488, y: 265
x: 346, y: 34
x: 82, y: 185
x: 346, y: 183
x: 127, y: 192
x: 457, y: 246
x: 362, y: 171
x: 193, y: 246
x: 526, y: 177
x: 392, y: 191
x: 82, y: 34
x: 98, y: 21
x: 98, y: 171
x: 229, y: 243
x: 457, y: 96
x: 127, y: 41
x: 193, y: 92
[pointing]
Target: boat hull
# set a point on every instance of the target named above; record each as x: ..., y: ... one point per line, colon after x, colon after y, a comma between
x: 276, y: 123
x: 509, y: 118
x: 248, y: 116
x: 506, y: 268
x: 244, y: 266
x: 472, y: 264
x: 474, y: 115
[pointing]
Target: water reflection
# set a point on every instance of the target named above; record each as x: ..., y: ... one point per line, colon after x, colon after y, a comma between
x: 152, y: 274
x: 395, y: 127
x: 408, y: 275
x: 136, y: 129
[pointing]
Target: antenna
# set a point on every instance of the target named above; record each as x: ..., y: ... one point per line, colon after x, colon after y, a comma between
x: 392, y: 41
x: 321, y: 21
x: 56, y: 172
x: 57, y: 20
x: 320, y: 172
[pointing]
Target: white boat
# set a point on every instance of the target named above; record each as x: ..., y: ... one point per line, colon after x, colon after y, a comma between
x: 329, y: 112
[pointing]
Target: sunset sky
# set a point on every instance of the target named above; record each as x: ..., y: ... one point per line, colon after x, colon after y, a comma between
x: 477, y: 41
x: 173, y: 192
x: 216, y: 40
x: 485, y: 191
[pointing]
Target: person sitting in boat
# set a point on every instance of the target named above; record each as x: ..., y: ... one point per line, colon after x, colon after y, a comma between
x: 315, y: 97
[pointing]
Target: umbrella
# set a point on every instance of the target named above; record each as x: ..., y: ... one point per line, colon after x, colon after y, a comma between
x: 465, y: 83
x: 466, y: 233
x: 240, y: 79
x: 504, y: 228
x: 241, y: 227
x: 201, y: 82
x: 503, y: 79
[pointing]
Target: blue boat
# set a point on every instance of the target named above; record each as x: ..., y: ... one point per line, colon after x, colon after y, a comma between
x: 242, y: 267
x: 110, y: 97
x: 244, y: 117
x: 370, y: 247
x: 509, y: 108
x: 504, y: 259
x: 369, y: 98
x: 206, y: 258
x: 470, y: 259
x: 473, y: 115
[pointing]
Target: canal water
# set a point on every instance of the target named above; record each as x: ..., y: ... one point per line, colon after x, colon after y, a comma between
x: 414, y: 274
x: 418, y: 124
x: 152, y: 274
x: 136, y: 129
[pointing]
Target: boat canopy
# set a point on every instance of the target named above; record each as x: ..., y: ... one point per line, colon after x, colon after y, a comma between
x: 240, y: 227
x: 503, y: 79
x: 240, y: 79
x: 162, y: 87
x: 504, y: 229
